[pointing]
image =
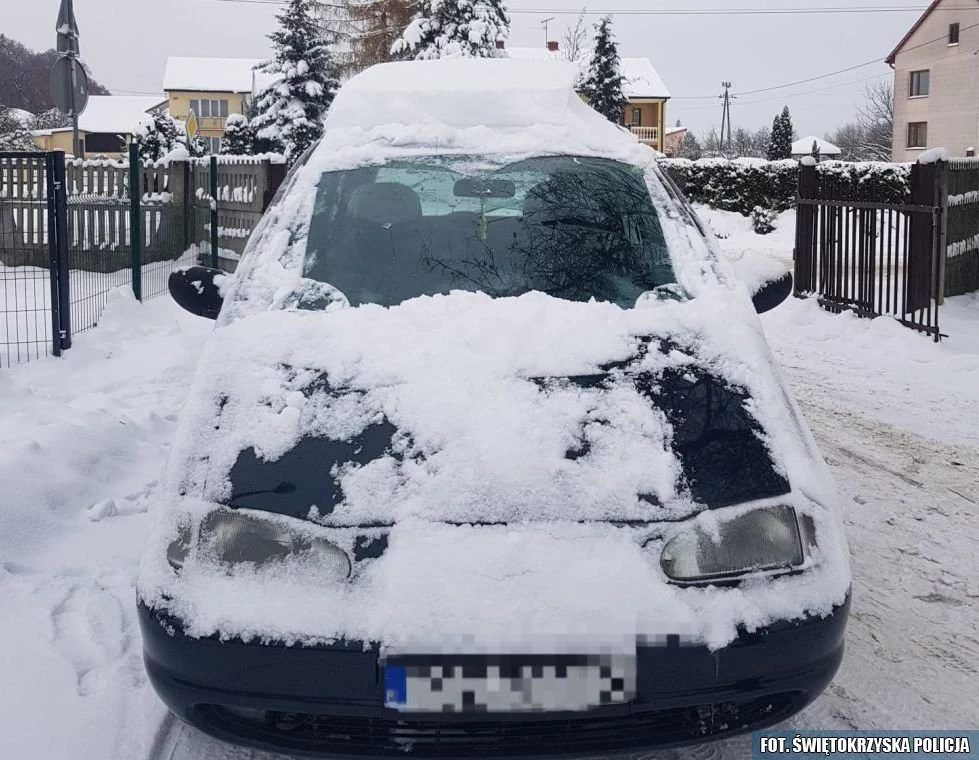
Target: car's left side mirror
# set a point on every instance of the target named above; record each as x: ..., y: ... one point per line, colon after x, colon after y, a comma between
x: 196, y: 290
x: 773, y: 293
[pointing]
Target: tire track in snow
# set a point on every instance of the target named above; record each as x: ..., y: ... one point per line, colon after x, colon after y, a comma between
x: 911, y: 644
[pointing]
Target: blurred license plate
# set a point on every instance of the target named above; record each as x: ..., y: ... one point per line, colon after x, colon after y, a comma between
x: 508, y: 683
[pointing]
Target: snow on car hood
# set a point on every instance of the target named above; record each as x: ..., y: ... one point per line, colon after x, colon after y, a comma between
x: 463, y: 408
x: 521, y: 412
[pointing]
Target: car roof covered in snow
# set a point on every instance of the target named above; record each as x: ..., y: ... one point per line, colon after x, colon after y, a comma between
x: 453, y: 103
x: 214, y: 75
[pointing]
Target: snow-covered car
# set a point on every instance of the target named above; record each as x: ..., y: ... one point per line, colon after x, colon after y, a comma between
x: 487, y: 455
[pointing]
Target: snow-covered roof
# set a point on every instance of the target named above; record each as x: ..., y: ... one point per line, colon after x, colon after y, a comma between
x: 642, y: 80
x: 214, y: 75
x: 117, y: 114
x: 675, y: 130
x: 534, y: 54
x: 803, y: 147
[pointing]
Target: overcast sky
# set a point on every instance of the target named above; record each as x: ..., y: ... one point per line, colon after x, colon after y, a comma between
x: 126, y: 42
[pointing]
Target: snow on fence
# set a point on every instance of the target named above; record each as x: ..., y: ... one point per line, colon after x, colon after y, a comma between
x: 962, y: 227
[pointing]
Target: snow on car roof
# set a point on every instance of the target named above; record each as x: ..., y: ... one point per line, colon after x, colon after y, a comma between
x: 428, y: 102
x: 214, y: 74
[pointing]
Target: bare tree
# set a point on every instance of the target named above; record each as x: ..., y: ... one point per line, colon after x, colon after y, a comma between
x: 876, y: 118
x: 712, y: 147
x: 850, y: 140
x: 575, y: 40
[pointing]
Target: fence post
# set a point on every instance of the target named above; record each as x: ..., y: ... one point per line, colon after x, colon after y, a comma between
x: 941, y: 201
x: 53, y: 264
x: 805, y: 231
x: 136, y: 220
x: 64, y: 267
x: 215, y: 262
x: 275, y: 174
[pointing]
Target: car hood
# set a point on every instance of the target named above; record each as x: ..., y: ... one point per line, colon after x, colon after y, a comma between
x: 468, y: 409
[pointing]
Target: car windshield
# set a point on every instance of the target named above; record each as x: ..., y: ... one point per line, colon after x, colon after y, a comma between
x: 572, y: 227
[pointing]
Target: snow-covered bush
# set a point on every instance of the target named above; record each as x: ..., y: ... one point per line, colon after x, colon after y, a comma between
x: 289, y: 112
x: 737, y: 185
x: 744, y: 183
x: 763, y: 220
x: 239, y: 137
x: 156, y: 136
x: 454, y: 29
x: 15, y: 130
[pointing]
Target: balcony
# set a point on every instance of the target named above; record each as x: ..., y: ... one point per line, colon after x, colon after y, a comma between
x: 211, y: 123
x: 648, y: 135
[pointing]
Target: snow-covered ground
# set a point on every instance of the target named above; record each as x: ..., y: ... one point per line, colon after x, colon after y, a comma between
x: 84, y: 439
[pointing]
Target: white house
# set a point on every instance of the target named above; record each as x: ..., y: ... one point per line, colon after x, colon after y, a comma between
x: 803, y: 147
x: 936, y: 82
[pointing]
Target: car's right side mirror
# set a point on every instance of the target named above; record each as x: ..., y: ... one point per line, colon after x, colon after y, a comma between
x: 196, y: 290
x: 773, y: 293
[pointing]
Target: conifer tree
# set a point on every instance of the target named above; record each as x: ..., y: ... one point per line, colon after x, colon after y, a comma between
x: 780, y: 146
x: 156, y: 136
x: 691, y: 147
x: 602, y: 87
x: 289, y: 112
x: 454, y: 29
x: 239, y: 137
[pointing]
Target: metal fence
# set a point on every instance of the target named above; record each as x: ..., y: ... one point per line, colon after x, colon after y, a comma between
x: 71, y: 233
x: 961, y: 196
x: 29, y: 288
x: 876, y: 259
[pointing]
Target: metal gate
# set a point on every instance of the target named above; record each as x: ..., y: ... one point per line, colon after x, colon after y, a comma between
x: 875, y: 259
x: 34, y: 311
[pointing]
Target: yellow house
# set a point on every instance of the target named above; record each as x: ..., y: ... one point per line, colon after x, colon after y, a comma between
x: 645, y: 115
x: 213, y: 88
x: 105, y: 127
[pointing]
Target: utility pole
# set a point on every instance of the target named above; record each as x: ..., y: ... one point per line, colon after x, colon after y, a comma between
x: 727, y: 97
x: 544, y: 24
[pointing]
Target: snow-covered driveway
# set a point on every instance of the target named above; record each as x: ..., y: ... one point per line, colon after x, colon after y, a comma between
x: 82, y: 441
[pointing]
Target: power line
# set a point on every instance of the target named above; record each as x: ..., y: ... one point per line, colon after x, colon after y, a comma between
x: 920, y: 45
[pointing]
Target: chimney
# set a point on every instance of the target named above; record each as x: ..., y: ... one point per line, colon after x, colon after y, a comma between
x: 552, y: 46
x: 500, y: 44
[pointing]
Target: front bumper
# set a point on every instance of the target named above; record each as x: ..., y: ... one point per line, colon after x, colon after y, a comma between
x: 329, y: 700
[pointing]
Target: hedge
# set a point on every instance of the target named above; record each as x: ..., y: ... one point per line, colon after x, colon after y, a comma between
x: 743, y: 184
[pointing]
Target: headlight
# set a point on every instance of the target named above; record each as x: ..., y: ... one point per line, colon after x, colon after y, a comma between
x: 235, y: 538
x: 764, y: 540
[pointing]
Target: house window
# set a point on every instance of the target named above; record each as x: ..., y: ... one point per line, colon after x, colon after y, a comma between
x: 637, y: 117
x: 210, y: 109
x: 918, y: 134
x: 214, y: 145
x: 953, y: 34
x: 920, y: 84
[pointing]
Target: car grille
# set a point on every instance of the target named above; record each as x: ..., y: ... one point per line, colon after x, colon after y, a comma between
x: 368, y: 736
